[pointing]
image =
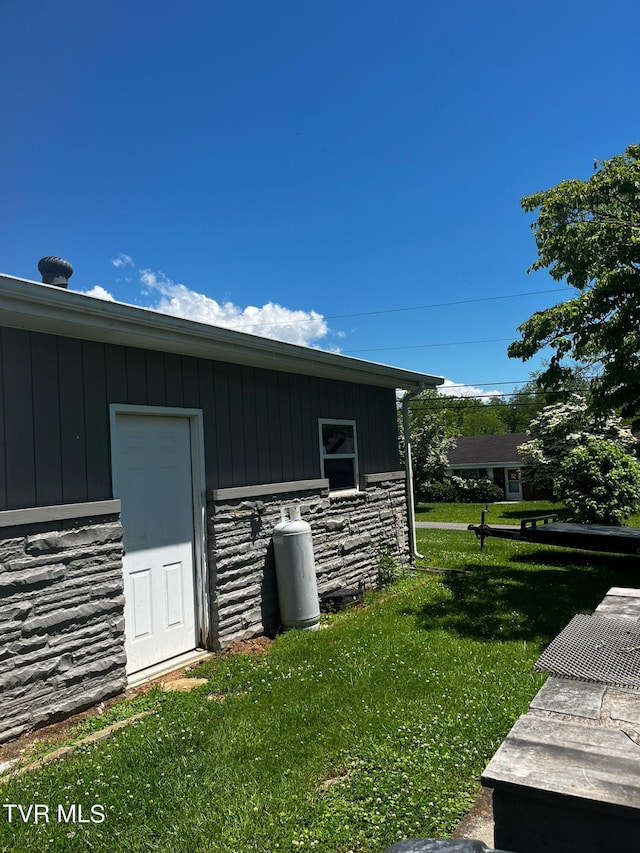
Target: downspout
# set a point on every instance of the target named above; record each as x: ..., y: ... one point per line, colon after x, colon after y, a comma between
x: 408, y: 396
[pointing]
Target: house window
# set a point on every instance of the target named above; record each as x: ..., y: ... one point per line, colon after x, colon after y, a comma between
x: 339, y: 454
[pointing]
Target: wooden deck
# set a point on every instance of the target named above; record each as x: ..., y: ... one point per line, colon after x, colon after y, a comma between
x: 567, y: 777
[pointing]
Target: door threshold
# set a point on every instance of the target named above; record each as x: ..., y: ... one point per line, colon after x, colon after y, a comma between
x: 152, y: 673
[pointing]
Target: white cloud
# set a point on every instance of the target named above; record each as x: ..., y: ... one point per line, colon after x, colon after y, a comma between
x: 271, y: 320
x: 98, y: 293
x: 456, y: 389
x: 123, y: 261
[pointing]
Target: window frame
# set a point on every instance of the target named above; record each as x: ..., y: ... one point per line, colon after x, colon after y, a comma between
x: 354, y: 455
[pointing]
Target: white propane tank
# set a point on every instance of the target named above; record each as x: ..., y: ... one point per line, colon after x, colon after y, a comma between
x: 296, y: 573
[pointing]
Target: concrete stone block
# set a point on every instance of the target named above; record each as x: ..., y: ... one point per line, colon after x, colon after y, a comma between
x: 92, y: 669
x: 11, y: 548
x: 26, y: 674
x: 28, y: 578
x: 356, y: 542
x: 15, y: 610
x: 238, y: 594
x: 11, y: 728
x: 107, y: 590
x: 60, y: 540
x: 336, y: 524
x: 58, y: 618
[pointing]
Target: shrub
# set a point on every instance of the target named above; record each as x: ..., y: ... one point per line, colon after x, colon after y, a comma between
x: 599, y: 483
x: 388, y: 571
x: 482, y: 491
x: 462, y: 490
x: 438, y: 492
x: 557, y: 430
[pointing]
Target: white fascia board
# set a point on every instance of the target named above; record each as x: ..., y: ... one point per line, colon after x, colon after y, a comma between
x: 46, y: 308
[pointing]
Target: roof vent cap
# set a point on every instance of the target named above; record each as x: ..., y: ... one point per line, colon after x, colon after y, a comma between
x: 55, y: 271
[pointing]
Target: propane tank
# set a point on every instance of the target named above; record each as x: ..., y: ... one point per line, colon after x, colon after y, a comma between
x: 296, y: 572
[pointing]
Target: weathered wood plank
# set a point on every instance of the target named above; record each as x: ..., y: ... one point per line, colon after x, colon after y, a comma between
x: 555, y: 756
x: 566, y: 696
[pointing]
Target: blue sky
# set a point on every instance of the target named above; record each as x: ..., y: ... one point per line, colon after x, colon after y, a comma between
x: 336, y: 160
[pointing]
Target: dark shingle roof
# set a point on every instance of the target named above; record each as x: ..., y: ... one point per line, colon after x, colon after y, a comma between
x: 487, y: 449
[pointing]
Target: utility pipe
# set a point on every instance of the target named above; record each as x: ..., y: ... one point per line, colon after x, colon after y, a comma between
x: 408, y: 396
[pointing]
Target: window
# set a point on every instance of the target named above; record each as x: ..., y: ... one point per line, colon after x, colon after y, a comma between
x: 339, y: 454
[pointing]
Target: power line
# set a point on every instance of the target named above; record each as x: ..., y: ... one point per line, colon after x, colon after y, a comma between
x: 430, y: 346
x: 443, y: 400
x: 445, y: 304
x: 399, y: 310
x: 478, y: 384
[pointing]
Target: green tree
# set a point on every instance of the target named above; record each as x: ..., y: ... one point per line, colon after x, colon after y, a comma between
x: 529, y: 399
x: 429, y: 439
x: 561, y: 428
x: 588, y: 232
x: 599, y: 483
x: 486, y: 420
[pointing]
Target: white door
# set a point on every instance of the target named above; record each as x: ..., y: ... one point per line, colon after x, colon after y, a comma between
x: 152, y: 477
x: 514, y: 484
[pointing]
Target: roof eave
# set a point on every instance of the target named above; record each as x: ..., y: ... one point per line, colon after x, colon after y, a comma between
x: 45, y: 308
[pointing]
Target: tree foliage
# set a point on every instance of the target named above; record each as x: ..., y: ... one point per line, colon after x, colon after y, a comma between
x: 429, y: 439
x: 599, y: 483
x: 561, y: 428
x: 588, y: 232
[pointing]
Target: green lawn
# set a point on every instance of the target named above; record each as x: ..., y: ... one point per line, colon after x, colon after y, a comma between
x: 350, y: 738
x: 499, y: 513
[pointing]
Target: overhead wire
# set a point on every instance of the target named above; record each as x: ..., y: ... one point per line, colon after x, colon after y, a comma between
x: 431, y: 346
x: 408, y: 308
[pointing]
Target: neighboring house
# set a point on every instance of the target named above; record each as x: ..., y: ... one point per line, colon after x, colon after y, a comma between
x: 492, y: 456
x: 144, y: 461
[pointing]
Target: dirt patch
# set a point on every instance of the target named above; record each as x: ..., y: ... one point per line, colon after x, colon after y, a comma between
x: 182, y: 685
x: 478, y: 823
x: 256, y: 646
x: 26, y: 745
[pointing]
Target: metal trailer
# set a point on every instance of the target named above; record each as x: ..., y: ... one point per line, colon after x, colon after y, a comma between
x: 546, y: 530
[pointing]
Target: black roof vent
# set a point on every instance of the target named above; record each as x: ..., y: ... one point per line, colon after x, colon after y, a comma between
x: 55, y: 271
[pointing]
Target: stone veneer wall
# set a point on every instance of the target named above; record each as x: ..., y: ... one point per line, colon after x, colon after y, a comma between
x: 61, y: 612
x: 349, y: 531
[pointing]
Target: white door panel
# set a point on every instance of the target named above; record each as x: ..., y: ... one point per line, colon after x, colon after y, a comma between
x: 152, y: 478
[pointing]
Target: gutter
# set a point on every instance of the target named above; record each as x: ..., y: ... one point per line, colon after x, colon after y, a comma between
x: 54, y: 310
x: 408, y: 462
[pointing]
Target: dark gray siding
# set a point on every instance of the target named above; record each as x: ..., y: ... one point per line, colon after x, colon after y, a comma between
x: 260, y: 426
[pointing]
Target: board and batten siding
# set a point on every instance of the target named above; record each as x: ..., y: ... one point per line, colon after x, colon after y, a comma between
x: 260, y: 426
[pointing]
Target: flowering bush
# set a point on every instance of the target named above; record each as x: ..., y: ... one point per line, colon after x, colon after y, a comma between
x: 560, y: 428
x: 462, y: 490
